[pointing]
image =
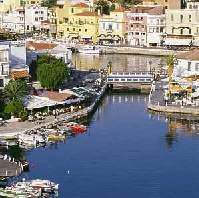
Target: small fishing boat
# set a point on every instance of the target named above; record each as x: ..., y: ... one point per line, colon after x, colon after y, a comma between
x: 45, y: 185
x: 89, y: 50
x: 77, y: 128
x: 56, y: 137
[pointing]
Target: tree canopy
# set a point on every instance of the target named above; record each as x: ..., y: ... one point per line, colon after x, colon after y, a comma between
x: 127, y: 3
x: 103, y: 6
x: 15, y: 90
x: 51, y: 72
x: 49, y: 3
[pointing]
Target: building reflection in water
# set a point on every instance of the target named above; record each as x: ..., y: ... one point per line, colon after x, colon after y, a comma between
x: 126, y: 63
x: 176, y: 125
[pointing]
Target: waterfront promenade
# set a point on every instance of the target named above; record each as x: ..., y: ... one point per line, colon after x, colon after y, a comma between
x: 138, y: 50
x: 157, y: 103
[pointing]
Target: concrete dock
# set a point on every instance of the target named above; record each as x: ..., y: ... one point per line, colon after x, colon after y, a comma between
x: 9, y: 168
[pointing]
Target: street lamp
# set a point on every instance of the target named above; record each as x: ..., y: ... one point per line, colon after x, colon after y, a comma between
x: 150, y: 63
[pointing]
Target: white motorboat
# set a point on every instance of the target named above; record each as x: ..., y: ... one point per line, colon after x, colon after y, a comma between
x: 90, y: 49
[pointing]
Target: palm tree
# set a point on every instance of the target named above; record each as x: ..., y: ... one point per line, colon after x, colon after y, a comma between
x: 15, y: 90
x: 170, y: 67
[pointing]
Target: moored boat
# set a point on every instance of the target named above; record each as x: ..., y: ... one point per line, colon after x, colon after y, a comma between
x: 89, y: 50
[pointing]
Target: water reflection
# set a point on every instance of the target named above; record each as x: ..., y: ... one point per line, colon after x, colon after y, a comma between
x: 177, y: 125
x: 119, y: 62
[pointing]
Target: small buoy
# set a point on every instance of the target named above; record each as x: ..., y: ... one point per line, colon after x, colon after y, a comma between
x: 68, y: 172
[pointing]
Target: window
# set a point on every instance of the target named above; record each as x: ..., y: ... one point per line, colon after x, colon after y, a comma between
x: 189, y: 66
x: 181, y: 18
x: 85, y: 30
x: 73, y: 29
x: 189, y: 31
x: 171, y: 17
x: 79, y: 30
x: 116, y: 79
x: 36, y: 12
x: 197, y: 30
x: 110, y: 26
x: 67, y: 29
x: 104, y: 26
x: 1, y: 82
x: 189, y: 18
x: 117, y: 26
x: 36, y: 18
x: 123, y: 79
x: 72, y: 10
x: 181, y: 31
x: 197, y: 67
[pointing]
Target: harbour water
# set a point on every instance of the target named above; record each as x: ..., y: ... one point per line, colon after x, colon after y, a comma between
x: 127, y: 152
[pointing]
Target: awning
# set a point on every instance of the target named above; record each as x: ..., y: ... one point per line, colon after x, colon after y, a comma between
x: 177, y: 42
x: 86, y: 37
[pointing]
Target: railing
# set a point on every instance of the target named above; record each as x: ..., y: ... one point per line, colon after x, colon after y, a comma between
x: 144, y: 73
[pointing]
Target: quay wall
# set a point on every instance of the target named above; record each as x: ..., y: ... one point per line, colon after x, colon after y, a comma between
x: 130, y: 87
x: 139, y: 51
x: 173, y: 109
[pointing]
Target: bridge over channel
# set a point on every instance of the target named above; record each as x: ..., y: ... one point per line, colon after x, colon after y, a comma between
x: 140, y: 80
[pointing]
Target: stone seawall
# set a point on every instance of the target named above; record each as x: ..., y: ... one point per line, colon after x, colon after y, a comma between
x: 173, y: 109
x: 138, y: 51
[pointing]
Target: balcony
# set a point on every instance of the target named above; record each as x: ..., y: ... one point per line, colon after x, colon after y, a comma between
x: 60, y: 2
x: 3, y: 60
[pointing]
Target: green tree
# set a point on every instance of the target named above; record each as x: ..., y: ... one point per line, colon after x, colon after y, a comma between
x: 49, y: 3
x: 128, y: 3
x: 15, y: 90
x: 103, y: 6
x: 14, y: 108
x: 51, y: 72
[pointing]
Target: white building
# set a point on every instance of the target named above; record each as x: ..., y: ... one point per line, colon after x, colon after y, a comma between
x: 145, y: 25
x: 12, y: 59
x: 187, y: 64
x: 4, y: 64
x: 155, y: 29
x: 35, y: 15
x: 13, y: 21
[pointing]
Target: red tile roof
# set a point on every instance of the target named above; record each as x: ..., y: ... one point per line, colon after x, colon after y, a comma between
x: 81, y: 5
x: 87, y: 14
x: 19, y: 74
x: 40, y: 46
x: 56, y: 96
x: 190, y: 55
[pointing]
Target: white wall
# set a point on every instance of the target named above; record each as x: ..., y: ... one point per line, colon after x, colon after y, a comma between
x: 184, y: 68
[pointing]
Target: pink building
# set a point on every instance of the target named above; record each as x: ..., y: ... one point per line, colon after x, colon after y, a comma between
x: 145, y: 25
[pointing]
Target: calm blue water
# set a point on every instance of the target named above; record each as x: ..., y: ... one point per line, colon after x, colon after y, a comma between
x: 124, y: 154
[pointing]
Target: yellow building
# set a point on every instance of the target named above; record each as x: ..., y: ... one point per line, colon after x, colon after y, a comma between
x: 77, y: 21
x: 182, y: 25
x: 112, y: 27
x: 8, y: 5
